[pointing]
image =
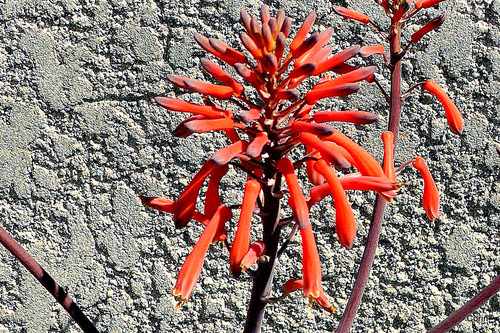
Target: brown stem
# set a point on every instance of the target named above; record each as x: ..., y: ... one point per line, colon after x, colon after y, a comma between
x: 265, y: 272
x: 378, y: 210
x: 471, y: 306
x: 46, y: 280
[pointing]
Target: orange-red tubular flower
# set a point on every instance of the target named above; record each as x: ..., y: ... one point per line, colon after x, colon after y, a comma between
x: 388, y: 140
x: 299, y: 205
x: 426, y: 3
x: 207, y: 125
x: 340, y: 90
x: 350, y: 14
x: 296, y: 284
x: 311, y: 265
x: 226, y: 154
x: 316, y: 129
x: 336, y: 60
x: 431, y: 25
x: 255, y: 147
x: 453, y: 116
x: 241, y: 242
x: 183, y: 106
x: 344, y: 217
x: 356, y: 75
x: 184, y: 208
x: 212, y: 200
x: 161, y: 204
x: 303, y: 31
x: 333, y: 156
x: 430, y: 199
x: 257, y: 250
x: 229, y: 57
x: 191, y: 269
x: 313, y: 176
x: 205, y: 88
x: 167, y: 205
x: 355, y: 117
x: 365, y: 163
x: 369, y: 50
x: 222, y: 76
x: 348, y: 182
x: 323, y: 38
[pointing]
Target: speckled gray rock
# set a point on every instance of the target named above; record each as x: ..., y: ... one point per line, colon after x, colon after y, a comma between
x: 80, y: 139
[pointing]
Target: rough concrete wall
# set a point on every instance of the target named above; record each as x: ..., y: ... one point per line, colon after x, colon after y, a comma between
x: 81, y: 138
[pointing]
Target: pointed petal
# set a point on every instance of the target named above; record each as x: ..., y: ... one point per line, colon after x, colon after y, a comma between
x: 250, y: 45
x: 369, y: 50
x: 426, y: 3
x: 430, y: 199
x: 345, y: 224
x: 207, y: 125
x: 241, y: 242
x: 324, y: 37
x: 365, y: 162
x: 306, y: 45
x: 313, y: 176
x: 232, y: 54
x: 249, y: 115
x: 356, y: 75
x: 453, y: 116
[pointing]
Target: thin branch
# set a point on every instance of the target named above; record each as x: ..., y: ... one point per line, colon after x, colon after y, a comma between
x: 382, y: 90
x: 287, y: 241
x: 407, y: 93
x: 471, y: 306
x: 47, y: 281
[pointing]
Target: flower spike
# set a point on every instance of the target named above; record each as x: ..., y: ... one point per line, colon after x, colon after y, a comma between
x: 453, y: 116
x: 430, y: 199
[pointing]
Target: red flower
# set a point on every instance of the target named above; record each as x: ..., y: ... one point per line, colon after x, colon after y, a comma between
x: 241, y: 241
x: 452, y: 114
x: 344, y: 217
x: 191, y: 269
x: 311, y: 266
x: 430, y: 199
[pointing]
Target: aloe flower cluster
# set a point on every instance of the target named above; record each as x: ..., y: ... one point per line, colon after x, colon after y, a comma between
x: 268, y: 112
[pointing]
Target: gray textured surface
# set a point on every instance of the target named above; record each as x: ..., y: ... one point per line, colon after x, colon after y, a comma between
x: 80, y: 138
